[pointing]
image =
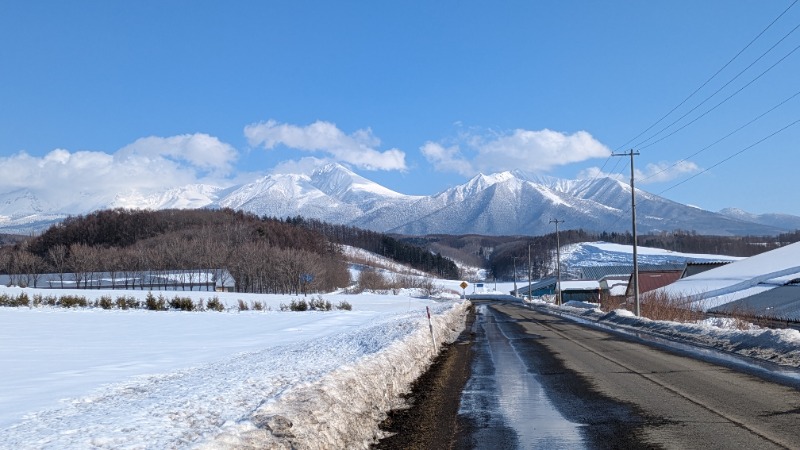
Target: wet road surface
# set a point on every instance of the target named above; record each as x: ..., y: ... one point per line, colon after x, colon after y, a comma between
x: 542, y: 382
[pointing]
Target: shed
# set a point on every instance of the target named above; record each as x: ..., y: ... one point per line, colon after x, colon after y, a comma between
x: 582, y: 291
x: 652, y: 280
x: 545, y: 286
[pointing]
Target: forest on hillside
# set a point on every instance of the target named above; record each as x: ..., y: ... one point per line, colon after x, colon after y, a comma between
x: 265, y: 255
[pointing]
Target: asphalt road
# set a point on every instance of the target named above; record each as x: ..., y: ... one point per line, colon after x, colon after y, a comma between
x: 539, y: 381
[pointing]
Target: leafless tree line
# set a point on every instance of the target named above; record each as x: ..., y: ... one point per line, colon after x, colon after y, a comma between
x: 249, y: 251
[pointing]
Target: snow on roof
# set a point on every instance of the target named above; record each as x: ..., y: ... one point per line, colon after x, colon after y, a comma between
x: 575, y: 285
x: 779, y: 264
x: 606, y: 253
x: 618, y: 289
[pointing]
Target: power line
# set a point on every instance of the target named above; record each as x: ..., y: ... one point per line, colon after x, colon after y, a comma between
x: 736, y: 130
x: 732, y: 156
x: 724, y: 160
x: 712, y: 76
x: 641, y: 144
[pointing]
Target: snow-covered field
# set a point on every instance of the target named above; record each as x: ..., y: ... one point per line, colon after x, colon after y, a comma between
x: 93, y: 378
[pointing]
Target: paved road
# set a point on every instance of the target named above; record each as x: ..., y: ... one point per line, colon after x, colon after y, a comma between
x: 540, y: 381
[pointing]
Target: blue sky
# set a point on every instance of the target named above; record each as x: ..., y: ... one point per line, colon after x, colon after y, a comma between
x: 418, y: 96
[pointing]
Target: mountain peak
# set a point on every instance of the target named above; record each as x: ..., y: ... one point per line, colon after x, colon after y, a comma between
x: 338, y: 181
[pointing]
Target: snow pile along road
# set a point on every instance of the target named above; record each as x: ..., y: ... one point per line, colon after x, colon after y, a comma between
x: 344, y: 408
x: 781, y: 346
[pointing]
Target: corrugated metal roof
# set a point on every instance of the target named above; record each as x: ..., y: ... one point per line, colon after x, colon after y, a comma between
x: 544, y: 283
x: 779, y: 303
x: 598, y: 272
x: 695, y: 267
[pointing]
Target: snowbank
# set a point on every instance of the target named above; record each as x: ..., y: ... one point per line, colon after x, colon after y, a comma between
x: 343, y: 409
x: 777, y: 346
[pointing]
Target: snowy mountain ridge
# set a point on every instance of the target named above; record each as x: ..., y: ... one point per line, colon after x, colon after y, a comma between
x: 504, y: 203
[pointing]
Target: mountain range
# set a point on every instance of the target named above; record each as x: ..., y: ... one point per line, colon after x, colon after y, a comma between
x: 505, y: 203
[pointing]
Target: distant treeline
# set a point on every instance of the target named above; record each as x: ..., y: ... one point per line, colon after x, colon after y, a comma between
x: 499, y: 254
x: 262, y: 254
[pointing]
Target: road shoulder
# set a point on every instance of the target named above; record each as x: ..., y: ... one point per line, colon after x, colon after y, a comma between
x: 431, y: 419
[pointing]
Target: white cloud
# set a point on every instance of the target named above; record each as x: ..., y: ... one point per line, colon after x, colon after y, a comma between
x: 665, y: 171
x: 530, y: 151
x: 653, y: 173
x: 198, y: 150
x: 62, y: 179
x: 446, y: 159
x: 358, y: 148
x: 537, y: 151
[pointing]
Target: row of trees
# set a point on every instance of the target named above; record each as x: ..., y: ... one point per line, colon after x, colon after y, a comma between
x: 261, y: 254
x: 132, y: 248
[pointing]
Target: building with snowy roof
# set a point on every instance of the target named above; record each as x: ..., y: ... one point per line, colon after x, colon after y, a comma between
x: 752, y: 278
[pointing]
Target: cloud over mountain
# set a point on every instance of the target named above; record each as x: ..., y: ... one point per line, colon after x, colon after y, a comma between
x: 358, y: 148
x: 530, y: 151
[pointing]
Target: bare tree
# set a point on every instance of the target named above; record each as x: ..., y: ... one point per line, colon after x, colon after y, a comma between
x: 80, y: 260
x: 58, y: 256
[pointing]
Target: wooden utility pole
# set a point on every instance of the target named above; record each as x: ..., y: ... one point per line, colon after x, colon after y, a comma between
x: 636, y: 306
x: 558, y: 262
x: 530, y: 273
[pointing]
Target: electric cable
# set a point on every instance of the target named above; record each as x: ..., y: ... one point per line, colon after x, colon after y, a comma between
x: 731, y: 156
x: 736, y: 130
x: 641, y: 144
x: 712, y: 76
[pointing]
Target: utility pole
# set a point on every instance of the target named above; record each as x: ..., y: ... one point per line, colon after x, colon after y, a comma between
x: 514, y: 259
x: 558, y: 262
x: 636, y: 306
x: 529, y: 270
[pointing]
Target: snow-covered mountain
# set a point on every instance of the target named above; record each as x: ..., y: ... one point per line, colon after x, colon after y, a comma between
x: 192, y: 196
x: 506, y: 203
x: 784, y: 221
x: 331, y: 193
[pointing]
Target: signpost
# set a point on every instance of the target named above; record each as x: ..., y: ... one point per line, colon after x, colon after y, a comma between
x: 464, y: 285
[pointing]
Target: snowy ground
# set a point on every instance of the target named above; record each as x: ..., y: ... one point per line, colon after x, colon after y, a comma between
x: 93, y: 378
x: 780, y: 346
